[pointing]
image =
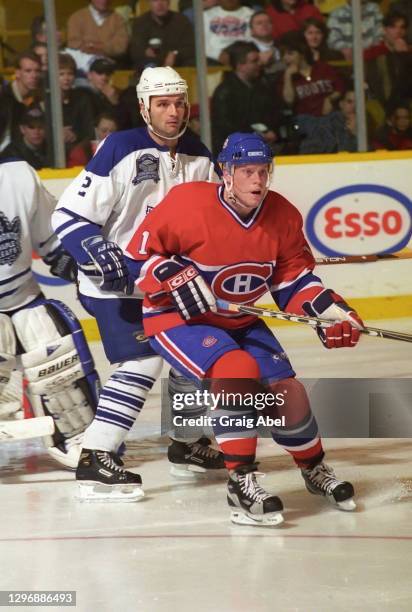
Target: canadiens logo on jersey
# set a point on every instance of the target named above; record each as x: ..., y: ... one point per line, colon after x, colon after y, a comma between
x: 147, y: 168
x: 10, y: 239
x: 243, y: 282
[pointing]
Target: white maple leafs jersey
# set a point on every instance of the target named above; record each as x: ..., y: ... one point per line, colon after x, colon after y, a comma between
x: 25, y: 225
x: 127, y: 177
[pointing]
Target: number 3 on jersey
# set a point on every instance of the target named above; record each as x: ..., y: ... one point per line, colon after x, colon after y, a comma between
x: 86, y: 183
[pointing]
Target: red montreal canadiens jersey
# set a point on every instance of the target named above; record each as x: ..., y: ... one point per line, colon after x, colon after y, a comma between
x: 241, y: 259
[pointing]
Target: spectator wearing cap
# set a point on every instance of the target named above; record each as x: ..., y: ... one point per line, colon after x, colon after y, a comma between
x: 161, y: 37
x: 103, y: 95
x: 30, y: 145
x: 78, y: 117
x: 97, y: 29
x: 289, y: 15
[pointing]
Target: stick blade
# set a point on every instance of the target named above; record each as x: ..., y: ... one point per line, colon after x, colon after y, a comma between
x: 26, y: 428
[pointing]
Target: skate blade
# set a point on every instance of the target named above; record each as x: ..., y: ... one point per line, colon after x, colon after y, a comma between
x: 184, y: 471
x: 272, y: 519
x: 97, y: 492
x: 347, y: 506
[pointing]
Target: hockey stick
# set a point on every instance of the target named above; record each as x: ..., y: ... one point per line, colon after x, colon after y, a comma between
x: 313, y: 321
x: 349, y: 259
x: 26, y: 428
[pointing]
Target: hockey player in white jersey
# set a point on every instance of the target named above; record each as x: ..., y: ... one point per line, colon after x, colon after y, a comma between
x: 95, y: 219
x: 45, y: 334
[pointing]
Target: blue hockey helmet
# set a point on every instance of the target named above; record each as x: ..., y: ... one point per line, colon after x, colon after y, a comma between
x: 245, y: 148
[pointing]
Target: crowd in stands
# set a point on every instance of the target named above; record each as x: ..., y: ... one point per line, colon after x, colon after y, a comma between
x: 286, y: 73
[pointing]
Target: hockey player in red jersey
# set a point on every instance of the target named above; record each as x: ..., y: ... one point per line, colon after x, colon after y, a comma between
x: 239, y: 241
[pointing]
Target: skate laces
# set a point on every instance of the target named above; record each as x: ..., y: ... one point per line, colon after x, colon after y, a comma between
x: 204, y: 451
x: 107, y: 460
x: 251, y: 488
x: 323, y: 476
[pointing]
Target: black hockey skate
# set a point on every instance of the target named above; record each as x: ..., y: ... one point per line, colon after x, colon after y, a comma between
x: 321, y: 480
x: 250, y: 503
x: 101, y: 477
x: 196, y: 457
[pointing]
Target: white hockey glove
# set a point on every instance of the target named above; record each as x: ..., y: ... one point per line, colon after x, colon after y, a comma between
x: 189, y: 292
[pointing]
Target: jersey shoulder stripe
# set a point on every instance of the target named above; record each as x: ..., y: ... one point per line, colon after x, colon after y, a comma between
x: 119, y: 145
x: 9, y: 160
x: 116, y: 147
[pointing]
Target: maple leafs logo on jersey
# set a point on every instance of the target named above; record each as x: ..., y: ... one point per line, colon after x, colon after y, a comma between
x: 147, y: 167
x: 10, y: 240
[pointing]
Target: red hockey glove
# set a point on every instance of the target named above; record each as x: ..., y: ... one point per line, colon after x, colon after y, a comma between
x: 189, y: 292
x: 329, y: 305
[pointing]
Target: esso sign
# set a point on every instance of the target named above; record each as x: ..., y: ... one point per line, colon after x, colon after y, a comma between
x: 360, y: 220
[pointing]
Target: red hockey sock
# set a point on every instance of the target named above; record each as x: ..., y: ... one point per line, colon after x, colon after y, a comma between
x: 300, y: 436
x: 235, y: 372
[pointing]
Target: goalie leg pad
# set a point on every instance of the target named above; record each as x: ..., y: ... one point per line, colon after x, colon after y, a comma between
x: 60, y: 371
x: 11, y: 389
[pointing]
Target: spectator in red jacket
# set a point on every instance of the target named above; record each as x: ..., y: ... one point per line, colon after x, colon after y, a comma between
x: 308, y: 87
x: 289, y: 15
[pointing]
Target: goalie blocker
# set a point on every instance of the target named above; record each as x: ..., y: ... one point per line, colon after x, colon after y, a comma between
x: 59, y: 368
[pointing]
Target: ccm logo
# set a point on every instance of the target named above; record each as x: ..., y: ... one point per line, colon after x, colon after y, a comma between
x: 182, y: 278
x: 360, y: 220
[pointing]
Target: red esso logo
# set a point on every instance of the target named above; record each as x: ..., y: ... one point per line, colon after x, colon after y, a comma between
x: 353, y: 224
x: 360, y: 223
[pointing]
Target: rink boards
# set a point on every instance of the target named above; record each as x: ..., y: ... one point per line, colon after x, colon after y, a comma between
x: 357, y: 203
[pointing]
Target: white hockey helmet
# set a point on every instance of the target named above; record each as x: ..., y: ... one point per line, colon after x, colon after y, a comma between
x: 161, y: 81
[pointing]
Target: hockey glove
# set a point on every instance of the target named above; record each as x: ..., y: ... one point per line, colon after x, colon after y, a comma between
x: 189, y: 292
x: 62, y: 265
x: 109, y: 262
x: 345, y: 331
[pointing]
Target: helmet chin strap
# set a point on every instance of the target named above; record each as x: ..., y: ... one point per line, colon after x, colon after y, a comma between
x: 146, y: 117
x: 228, y: 182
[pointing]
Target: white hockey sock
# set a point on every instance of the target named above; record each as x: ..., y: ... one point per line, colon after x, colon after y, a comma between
x: 120, y: 401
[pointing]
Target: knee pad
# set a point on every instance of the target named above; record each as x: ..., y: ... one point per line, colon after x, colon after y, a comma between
x: 58, y: 365
x: 296, y: 406
x: 11, y: 387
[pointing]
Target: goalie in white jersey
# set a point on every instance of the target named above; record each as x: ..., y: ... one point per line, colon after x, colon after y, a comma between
x: 43, y: 333
x: 95, y: 219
